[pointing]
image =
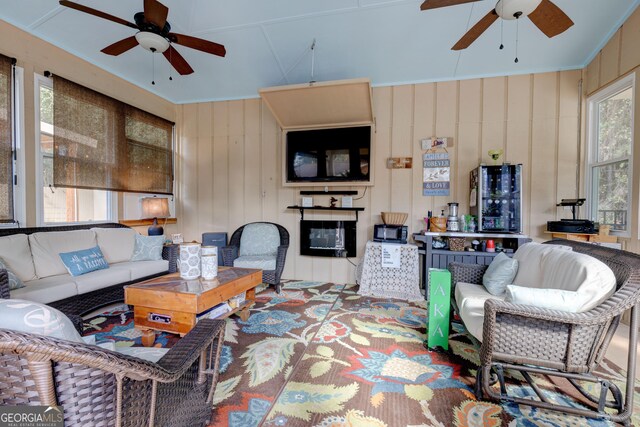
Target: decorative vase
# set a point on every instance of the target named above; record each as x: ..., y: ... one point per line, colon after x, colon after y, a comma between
x: 190, y: 260
x: 209, y: 266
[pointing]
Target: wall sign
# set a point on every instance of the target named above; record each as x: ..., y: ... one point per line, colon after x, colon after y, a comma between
x: 436, y: 174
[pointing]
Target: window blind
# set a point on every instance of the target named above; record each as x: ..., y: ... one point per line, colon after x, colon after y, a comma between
x: 6, y: 140
x: 105, y: 144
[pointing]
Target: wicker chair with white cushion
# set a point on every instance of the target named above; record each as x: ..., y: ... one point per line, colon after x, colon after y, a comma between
x: 558, y: 322
x: 260, y: 245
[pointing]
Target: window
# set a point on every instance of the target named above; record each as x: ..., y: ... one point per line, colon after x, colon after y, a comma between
x: 12, y: 199
x: 63, y: 205
x: 610, y: 155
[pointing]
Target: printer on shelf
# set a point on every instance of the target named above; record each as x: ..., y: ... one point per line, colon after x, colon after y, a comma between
x: 582, y: 226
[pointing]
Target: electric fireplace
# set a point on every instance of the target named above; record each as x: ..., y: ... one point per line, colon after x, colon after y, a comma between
x: 328, y: 238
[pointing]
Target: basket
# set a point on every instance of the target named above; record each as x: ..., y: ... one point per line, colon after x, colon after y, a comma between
x: 394, y: 218
x: 456, y: 244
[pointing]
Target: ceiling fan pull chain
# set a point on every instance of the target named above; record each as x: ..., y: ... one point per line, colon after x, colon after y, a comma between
x: 170, y: 65
x: 517, y: 15
x: 502, y: 28
x: 153, y: 67
x: 313, y: 59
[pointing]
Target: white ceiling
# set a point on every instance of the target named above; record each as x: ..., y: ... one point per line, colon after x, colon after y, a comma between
x: 268, y: 42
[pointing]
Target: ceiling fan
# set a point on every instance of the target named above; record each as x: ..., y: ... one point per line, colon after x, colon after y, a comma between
x: 154, y: 34
x: 544, y: 14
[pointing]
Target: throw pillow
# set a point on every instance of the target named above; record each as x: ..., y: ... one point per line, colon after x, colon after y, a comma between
x: 14, y: 281
x: 552, y: 299
x: 36, y: 318
x: 499, y: 274
x: 148, y: 248
x: 84, y: 261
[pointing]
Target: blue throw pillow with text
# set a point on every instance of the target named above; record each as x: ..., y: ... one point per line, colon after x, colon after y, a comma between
x: 84, y: 261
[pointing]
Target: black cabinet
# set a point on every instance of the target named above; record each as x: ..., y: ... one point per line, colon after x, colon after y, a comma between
x: 440, y: 258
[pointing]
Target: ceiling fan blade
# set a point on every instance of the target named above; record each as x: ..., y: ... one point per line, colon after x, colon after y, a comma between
x: 476, y: 31
x: 155, y: 13
x: 178, y: 62
x: 120, y: 46
x: 550, y: 19
x: 97, y: 13
x: 434, y: 4
x: 199, y: 44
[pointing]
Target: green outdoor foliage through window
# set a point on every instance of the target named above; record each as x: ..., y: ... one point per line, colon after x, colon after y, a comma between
x: 610, y: 172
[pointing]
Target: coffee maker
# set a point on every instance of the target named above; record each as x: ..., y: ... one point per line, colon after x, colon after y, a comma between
x: 453, y: 224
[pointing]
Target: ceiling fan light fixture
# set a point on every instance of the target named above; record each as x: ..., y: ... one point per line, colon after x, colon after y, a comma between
x: 152, y: 41
x: 508, y: 9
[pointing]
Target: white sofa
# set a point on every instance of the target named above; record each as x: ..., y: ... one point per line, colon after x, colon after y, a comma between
x: 34, y: 257
x: 548, y: 276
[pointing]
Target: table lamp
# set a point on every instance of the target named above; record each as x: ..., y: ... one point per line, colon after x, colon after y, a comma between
x: 155, y: 207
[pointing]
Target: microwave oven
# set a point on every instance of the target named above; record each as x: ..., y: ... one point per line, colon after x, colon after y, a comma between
x: 390, y: 233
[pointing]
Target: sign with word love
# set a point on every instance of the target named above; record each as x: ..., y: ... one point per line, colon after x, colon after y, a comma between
x: 436, y: 174
x: 439, y: 308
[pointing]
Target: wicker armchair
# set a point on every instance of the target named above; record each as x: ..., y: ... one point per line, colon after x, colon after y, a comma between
x: 569, y: 345
x: 231, y: 252
x: 99, y: 387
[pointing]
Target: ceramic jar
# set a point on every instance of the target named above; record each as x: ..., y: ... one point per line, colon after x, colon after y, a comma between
x: 190, y: 261
x: 209, y: 262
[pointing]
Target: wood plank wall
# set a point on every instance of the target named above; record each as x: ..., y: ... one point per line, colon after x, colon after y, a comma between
x: 621, y: 57
x: 229, y: 158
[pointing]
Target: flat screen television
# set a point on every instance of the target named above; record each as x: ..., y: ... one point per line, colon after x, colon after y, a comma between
x: 328, y: 155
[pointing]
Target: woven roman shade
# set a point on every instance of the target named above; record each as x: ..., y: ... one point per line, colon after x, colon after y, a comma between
x: 102, y: 143
x: 6, y: 141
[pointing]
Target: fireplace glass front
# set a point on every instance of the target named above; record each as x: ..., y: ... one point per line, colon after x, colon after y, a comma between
x: 328, y: 238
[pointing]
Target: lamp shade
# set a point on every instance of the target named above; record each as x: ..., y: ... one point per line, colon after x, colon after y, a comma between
x: 155, y: 207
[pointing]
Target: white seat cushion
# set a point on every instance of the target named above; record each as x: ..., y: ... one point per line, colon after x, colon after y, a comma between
x: 45, y: 247
x: 529, y: 257
x: 470, y: 299
x: 48, y: 289
x: 261, y: 262
x: 16, y: 253
x: 259, y: 239
x: 150, y: 354
x: 139, y: 269
x: 116, y: 244
x: 101, y: 279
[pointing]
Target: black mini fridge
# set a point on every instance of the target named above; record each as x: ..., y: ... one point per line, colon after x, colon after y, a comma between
x: 496, y: 198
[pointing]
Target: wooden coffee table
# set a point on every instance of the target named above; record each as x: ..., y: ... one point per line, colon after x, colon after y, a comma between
x: 171, y: 304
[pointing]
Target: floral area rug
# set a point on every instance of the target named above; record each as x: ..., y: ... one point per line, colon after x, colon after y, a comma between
x: 321, y: 355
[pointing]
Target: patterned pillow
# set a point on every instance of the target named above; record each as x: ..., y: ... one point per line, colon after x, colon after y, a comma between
x: 84, y: 261
x: 36, y: 318
x: 14, y: 281
x: 148, y: 248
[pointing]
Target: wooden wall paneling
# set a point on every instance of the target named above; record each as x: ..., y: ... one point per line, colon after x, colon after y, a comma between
x: 494, y: 116
x: 423, y: 128
x: 610, y: 60
x: 629, y: 52
x: 220, y: 166
x: 401, y: 146
x: 269, y: 141
x: 445, y: 125
x: 544, y: 153
x: 189, y: 180
x: 204, y: 167
x: 236, y: 185
x: 469, y: 138
x: 593, y: 75
x: 381, y: 191
x: 568, y: 154
x: 252, y: 161
x: 518, y: 141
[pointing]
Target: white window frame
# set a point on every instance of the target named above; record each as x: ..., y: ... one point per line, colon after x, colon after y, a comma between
x: 592, y: 145
x: 19, y: 187
x: 112, y: 201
